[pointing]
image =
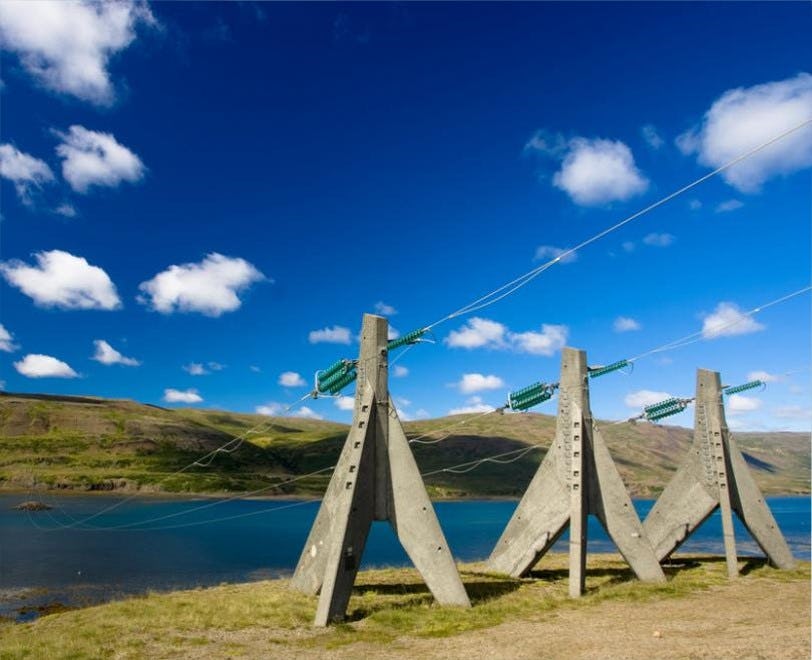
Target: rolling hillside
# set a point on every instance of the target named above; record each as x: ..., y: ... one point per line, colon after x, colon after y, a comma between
x: 94, y: 444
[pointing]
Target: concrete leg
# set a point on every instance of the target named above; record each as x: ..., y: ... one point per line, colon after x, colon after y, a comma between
x: 749, y: 505
x: 415, y: 523
x: 611, y: 504
x: 579, y: 503
x: 309, y: 573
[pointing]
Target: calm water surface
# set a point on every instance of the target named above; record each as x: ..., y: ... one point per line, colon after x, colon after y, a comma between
x: 46, y: 557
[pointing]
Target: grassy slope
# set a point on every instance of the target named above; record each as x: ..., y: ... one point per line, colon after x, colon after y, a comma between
x: 101, y: 444
x: 266, y: 619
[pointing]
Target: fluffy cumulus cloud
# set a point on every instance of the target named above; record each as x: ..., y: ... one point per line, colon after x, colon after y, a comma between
x: 597, y: 172
x: 552, y: 338
x: 478, y: 333
x: 35, y: 365
x: 658, y: 240
x: 106, y: 354
x: 737, y: 404
x: 651, y: 136
x: 6, y: 340
x: 90, y: 158
x: 62, y: 280
x: 182, y: 396
x: 271, y: 409
x: 729, y: 205
x: 334, y: 335
x: 400, y: 371
x: 625, y: 324
x: 24, y: 171
x: 307, y: 413
x: 763, y: 376
x: 643, y: 398
x: 345, y: 403
x: 484, y: 333
x: 544, y: 252
x: 67, y: 45
x: 383, y: 309
x: 473, y: 405
x: 392, y: 333
x: 200, y: 369
x: 742, y: 119
x: 470, y: 383
x: 209, y: 287
x: 291, y: 379
x: 728, y: 320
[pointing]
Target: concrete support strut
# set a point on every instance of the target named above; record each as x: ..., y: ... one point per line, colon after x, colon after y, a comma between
x: 714, y: 474
x: 577, y: 477
x: 376, y: 478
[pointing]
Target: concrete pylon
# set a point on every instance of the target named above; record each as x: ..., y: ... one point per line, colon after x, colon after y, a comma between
x: 714, y: 474
x: 376, y: 478
x: 577, y: 477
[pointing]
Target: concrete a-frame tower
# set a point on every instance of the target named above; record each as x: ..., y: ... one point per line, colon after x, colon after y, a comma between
x: 714, y: 474
x: 376, y: 478
x: 576, y: 477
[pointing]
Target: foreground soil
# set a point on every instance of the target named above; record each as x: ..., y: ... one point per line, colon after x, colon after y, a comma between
x: 699, y: 613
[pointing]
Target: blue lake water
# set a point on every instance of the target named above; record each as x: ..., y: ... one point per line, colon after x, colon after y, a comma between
x: 46, y: 557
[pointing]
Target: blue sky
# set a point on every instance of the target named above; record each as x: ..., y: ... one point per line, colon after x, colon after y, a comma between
x: 204, y: 187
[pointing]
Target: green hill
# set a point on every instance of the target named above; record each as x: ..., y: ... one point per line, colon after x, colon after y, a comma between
x: 94, y: 444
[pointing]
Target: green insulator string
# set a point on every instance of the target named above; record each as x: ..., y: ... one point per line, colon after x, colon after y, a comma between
x: 655, y: 407
x: 733, y: 389
x: 530, y: 396
x: 338, y: 367
x: 594, y: 372
x: 666, y: 409
x: 410, y: 338
x: 342, y: 382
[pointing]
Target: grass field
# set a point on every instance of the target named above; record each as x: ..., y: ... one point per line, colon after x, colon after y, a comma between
x: 388, y: 607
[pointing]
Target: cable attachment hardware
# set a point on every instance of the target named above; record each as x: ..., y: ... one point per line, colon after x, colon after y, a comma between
x: 594, y: 372
x: 412, y: 337
x: 530, y: 396
x: 735, y: 389
x: 335, y: 378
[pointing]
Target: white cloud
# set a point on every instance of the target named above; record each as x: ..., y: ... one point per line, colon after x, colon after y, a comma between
x: 66, y: 46
x: 23, y: 170
x: 106, y: 354
x: 400, y: 371
x: 473, y: 405
x: 625, y: 324
x: 628, y: 246
x: 272, y: 409
x: 90, y: 159
x: 743, y: 118
x: 345, y: 403
x: 552, y: 338
x: 793, y: 412
x: 737, y: 404
x: 727, y: 320
x: 694, y: 205
x: 383, y: 309
x: 552, y: 252
x: 392, y: 333
x: 307, y: 413
x: 763, y: 376
x: 255, y: 369
x: 729, y: 205
x: 652, y: 137
x: 291, y: 379
x: 195, y: 369
x: 596, y: 172
x: 643, y: 398
x: 66, y: 210
x: 62, y: 280
x: 335, y: 335
x: 658, y: 240
x: 470, y: 383
x: 182, y: 396
x: 35, y: 365
x: 6, y: 340
x: 209, y: 287
x: 478, y: 333
x: 484, y: 333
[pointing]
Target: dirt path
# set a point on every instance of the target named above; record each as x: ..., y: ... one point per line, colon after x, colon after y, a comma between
x: 739, y: 620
